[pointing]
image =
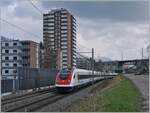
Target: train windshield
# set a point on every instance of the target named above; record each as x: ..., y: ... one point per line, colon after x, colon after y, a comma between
x: 64, y: 73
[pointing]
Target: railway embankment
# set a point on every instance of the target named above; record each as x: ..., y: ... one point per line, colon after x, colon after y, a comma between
x: 114, y: 95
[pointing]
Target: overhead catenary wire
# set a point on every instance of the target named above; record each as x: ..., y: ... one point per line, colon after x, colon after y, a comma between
x: 39, y: 10
x: 87, y: 60
x: 83, y: 56
x: 20, y: 28
x: 83, y: 47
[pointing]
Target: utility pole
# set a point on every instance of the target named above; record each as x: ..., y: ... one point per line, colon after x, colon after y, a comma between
x: 92, y: 66
x: 142, y: 58
x: 122, y: 55
x: 1, y: 44
x: 142, y: 53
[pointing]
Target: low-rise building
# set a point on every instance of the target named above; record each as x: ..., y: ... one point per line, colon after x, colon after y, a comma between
x: 15, y: 54
x: 10, y: 57
x: 29, y: 53
x: 41, y: 55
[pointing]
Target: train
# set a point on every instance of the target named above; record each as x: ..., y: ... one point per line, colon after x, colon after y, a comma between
x: 70, y: 79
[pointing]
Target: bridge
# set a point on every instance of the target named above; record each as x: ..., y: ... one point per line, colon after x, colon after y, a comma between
x: 117, y: 66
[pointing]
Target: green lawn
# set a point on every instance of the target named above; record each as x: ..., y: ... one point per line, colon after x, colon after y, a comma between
x: 119, y: 95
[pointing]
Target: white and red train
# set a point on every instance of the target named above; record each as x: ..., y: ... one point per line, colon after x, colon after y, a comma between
x: 68, y: 80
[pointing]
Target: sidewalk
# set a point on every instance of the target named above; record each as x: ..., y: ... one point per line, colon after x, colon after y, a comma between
x: 142, y: 82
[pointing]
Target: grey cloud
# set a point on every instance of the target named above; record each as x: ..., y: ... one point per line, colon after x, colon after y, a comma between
x: 28, y: 25
x: 117, y: 11
x: 24, y: 10
x: 106, y: 26
x: 20, y: 9
x: 5, y: 3
x: 109, y: 38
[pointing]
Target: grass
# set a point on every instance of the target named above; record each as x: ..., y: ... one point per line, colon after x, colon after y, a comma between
x: 120, y: 95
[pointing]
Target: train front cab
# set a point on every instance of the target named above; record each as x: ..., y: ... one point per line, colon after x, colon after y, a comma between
x: 63, y: 81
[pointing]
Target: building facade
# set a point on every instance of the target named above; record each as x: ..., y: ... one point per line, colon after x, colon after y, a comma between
x: 15, y: 54
x: 11, y: 57
x: 29, y: 53
x: 41, y: 55
x: 59, y: 38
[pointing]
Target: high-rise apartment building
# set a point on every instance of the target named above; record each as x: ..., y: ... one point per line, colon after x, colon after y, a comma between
x: 59, y: 39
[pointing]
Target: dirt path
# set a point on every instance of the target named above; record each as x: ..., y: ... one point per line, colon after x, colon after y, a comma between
x: 142, y: 82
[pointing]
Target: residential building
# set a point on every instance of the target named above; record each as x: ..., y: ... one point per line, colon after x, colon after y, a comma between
x: 0, y: 57
x: 29, y: 53
x: 41, y: 55
x: 15, y: 54
x: 11, y: 57
x: 59, y: 38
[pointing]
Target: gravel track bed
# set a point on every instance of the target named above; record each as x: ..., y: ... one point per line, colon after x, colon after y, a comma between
x: 7, y: 101
x: 61, y: 104
x: 45, y: 102
x: 21, y: 94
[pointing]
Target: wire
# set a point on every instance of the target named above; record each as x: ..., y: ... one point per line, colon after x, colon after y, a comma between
x: 81, y: 63
x: 19, y: 28
x: 40, y: 11
x: 83, y: 56
x: 83, y: 47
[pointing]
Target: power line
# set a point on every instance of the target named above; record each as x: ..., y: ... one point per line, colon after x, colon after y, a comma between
x: 18, y: 27
x: 83, y: 47
x: 80, y: 61
x: 83, y: 56
x: 40, y: 11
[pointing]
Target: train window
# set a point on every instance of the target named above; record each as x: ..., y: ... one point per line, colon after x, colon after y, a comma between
x: 74, y: 76
x: 64, y: 73
x: 77, y: 76
x: 63, y: 76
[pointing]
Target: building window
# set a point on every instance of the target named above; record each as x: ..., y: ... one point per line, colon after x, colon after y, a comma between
x: 6, y: 58
x: 6, y: 51
x: 25, y: 65
x: 15, y: 44
x: 25, y: 50
x: 7, y: 64
x: 6, y: 71
x: 15, y: 51
x: 15, y: 58
x: 15, y: 65
x: 6, y: 44
x: 15, y: 71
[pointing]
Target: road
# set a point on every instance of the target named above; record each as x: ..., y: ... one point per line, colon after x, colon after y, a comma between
x: 142, y: 82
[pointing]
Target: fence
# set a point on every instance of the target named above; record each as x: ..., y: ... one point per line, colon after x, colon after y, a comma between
x: 30, y: 78
x: 6, y: 85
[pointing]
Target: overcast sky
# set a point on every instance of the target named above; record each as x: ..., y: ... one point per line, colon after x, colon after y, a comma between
x: 108, y: 27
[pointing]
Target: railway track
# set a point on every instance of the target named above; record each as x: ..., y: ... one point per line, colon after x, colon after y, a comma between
x: 14, y: 96
x: 12, y: 104
x: 44, y: 102
x: 11, y: 100
x: 35, y: 101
